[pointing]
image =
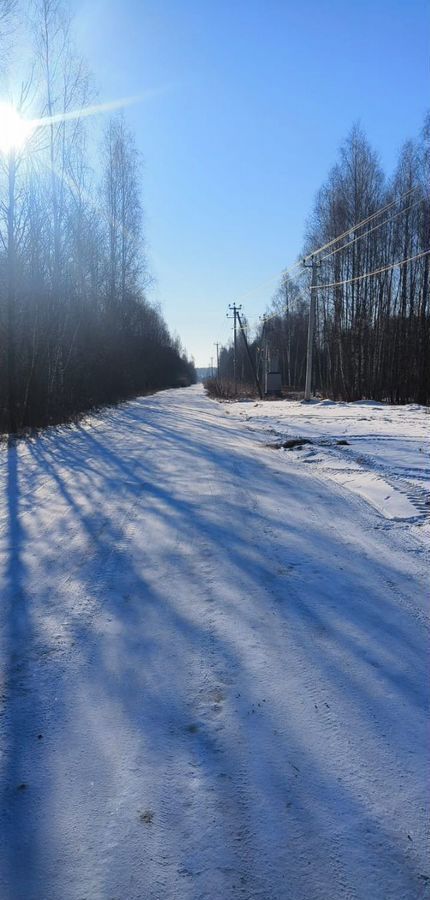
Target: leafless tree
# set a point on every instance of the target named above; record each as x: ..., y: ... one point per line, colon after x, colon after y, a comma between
x: 76, y: 328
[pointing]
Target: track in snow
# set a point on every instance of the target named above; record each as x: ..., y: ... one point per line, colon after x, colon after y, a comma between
x: 213, y: 670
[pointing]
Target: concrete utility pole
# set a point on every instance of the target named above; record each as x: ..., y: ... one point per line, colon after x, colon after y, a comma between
x: 311, y: 326
x: 217, y: 359
x: 212, y: 367
x: 235, y: 309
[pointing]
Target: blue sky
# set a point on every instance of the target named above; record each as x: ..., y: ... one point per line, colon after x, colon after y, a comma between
x: 255, y: 98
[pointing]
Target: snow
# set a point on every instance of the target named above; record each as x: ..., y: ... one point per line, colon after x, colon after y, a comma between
x: 214, y: 655
x: 386, y: 460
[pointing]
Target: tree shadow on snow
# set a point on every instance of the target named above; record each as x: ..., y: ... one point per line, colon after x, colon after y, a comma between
x: 133, y: 734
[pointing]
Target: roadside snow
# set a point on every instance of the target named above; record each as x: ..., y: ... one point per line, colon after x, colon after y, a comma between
x: 213, y: 656
x: 386, y: 459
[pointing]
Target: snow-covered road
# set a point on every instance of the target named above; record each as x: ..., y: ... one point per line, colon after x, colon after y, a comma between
x: 213, y: 669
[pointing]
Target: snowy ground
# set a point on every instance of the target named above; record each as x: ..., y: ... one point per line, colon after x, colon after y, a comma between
x: 380, y: 452
x: 214, y: 655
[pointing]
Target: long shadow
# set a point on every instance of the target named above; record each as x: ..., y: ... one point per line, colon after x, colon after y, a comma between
x: 134, y: 684
x: 189, y: 514
x: 324, y: 781
x: 21, y: 835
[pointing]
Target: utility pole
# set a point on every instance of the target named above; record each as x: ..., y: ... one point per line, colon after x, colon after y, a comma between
x: 260, y: 367
x: 212, y: 367
x: 235, y: 309
x: 251, y: 361
x: 311, y: 325
x: 217, y: 359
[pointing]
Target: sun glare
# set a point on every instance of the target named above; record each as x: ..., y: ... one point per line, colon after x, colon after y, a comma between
x: 14, y: 130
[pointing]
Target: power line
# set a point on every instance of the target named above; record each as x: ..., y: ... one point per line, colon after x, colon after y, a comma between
x: 283, y: 272
x: 371, y: 274
x: 268, y: 281
x: 379, y: 271
x: 277, y: 315
x: 359, y: 224
x: 370, y: 230
x: 356, y: 238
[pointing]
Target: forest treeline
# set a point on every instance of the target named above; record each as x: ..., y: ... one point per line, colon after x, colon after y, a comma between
x: 372, y: 334
x: 77, y: 329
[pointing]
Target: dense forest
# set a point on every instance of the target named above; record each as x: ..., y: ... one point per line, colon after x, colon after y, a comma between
x: 76, y: 327
x: 372, y: 331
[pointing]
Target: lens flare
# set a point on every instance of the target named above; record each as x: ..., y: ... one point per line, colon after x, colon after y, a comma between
x: 14, y: 130
x: 97, y: 108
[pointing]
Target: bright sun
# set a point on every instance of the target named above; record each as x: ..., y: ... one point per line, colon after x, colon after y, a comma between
x: 14, y: 131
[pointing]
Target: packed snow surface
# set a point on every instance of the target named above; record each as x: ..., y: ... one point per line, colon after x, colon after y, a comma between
x: 214, y: 654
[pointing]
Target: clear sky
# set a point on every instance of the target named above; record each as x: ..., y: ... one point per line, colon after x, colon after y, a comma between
x: 256, y: 96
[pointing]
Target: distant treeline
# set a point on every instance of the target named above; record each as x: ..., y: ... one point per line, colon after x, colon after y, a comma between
x: 76, y: 327
x: 372, y: 336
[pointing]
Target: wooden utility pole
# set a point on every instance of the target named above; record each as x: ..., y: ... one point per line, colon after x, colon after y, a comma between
x: 311, y: 326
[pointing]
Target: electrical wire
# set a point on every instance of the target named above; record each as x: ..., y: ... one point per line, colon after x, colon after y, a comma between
x: 268, y: 281
x: 359, y: 224
x: 370, y: 230
x: 317, y: 287
x: 335, y: 240
x: 403, y: 262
